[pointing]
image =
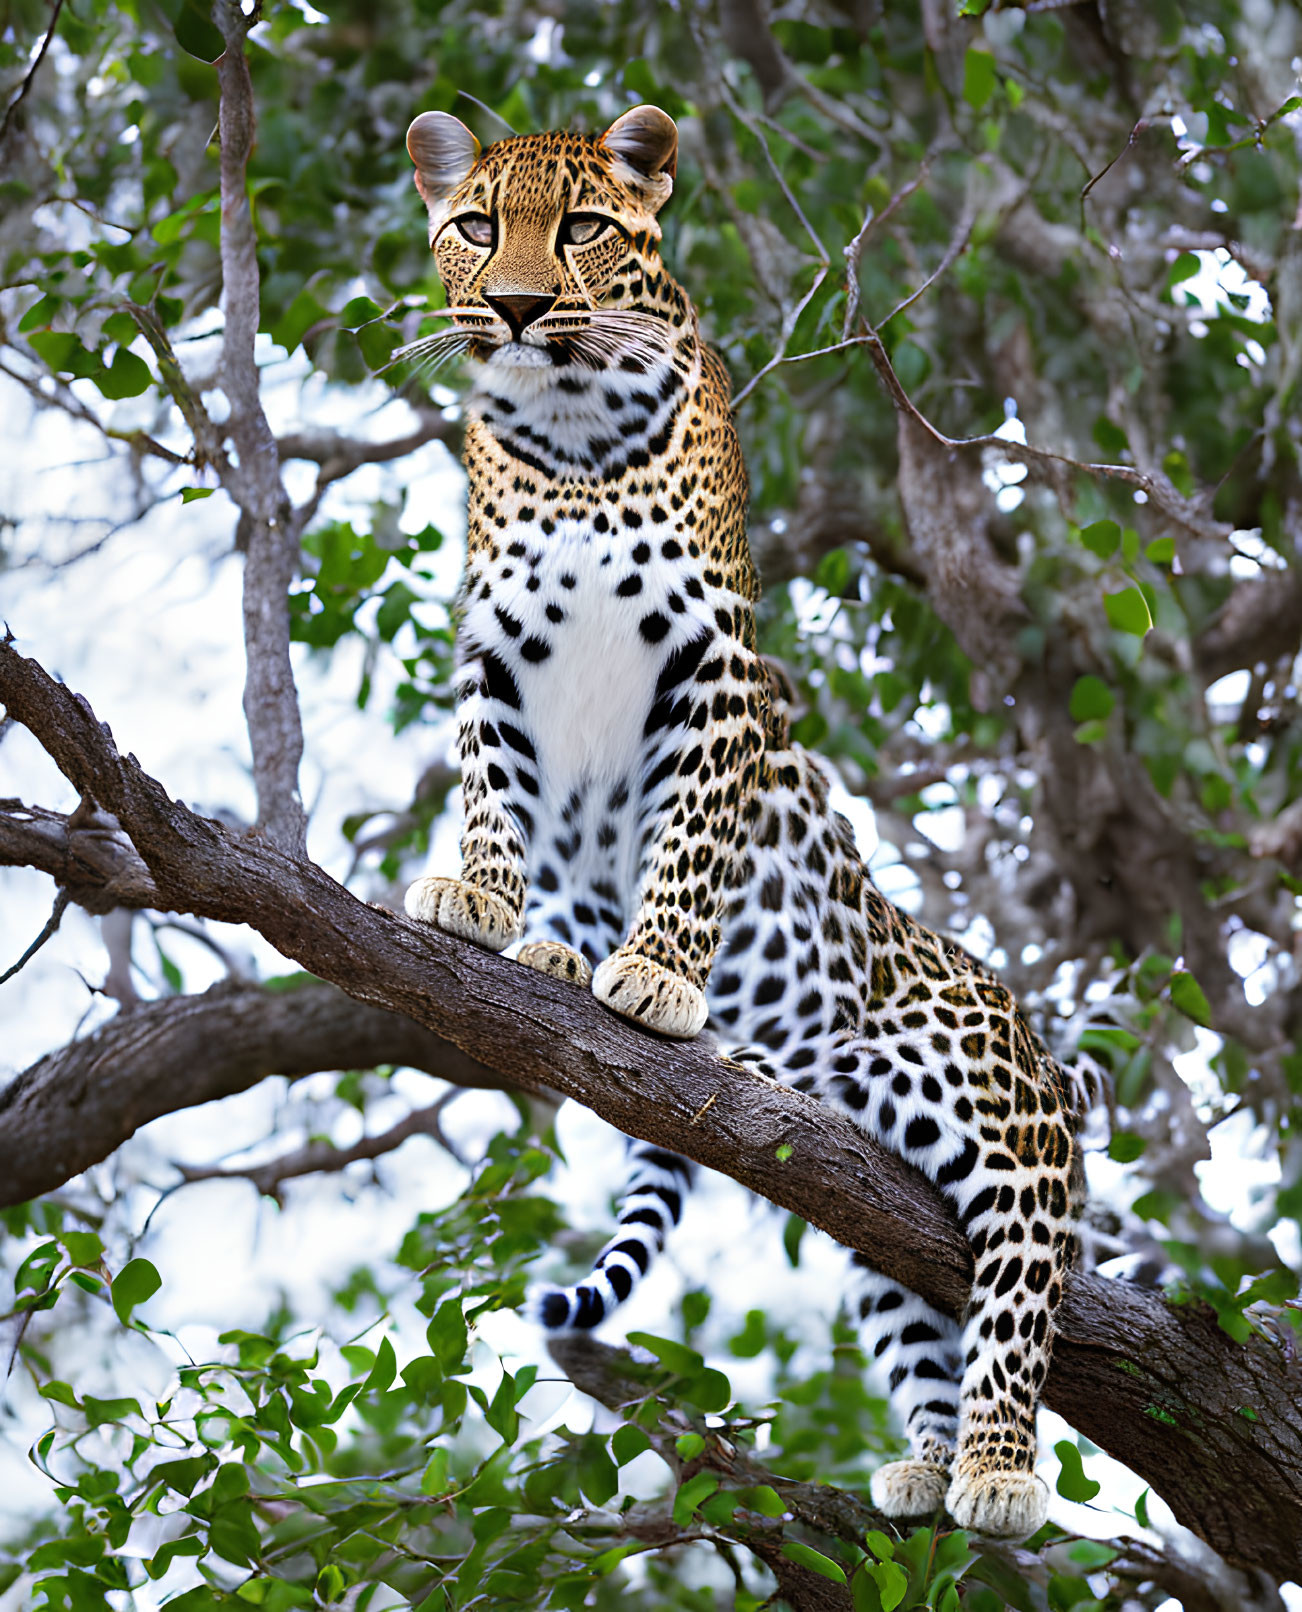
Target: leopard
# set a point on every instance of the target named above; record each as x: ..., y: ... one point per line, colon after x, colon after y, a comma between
x: 640, y: 822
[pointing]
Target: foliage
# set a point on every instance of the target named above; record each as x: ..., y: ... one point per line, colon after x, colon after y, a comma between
x: 1107, y: 200
x: 295, y: 1467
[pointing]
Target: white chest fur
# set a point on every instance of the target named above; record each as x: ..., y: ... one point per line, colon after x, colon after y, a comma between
x: 585, y: 598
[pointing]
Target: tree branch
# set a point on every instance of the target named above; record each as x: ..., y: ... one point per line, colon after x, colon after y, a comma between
x: 316, y: 1158
x: 1260, y: 621
x: 271, y: 551
x: 339, y: 455
x: 32, y: 71
x: 74, y: 1107
x: 86, y: 854
x: 1161, y: 1388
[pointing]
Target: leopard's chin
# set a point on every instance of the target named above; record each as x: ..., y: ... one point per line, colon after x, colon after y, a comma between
x: 519, y: 355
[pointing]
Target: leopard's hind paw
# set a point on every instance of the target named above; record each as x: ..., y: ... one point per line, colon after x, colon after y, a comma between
x: 909, y: 1488
x: 1003, y: 1505
x: 650, y: 995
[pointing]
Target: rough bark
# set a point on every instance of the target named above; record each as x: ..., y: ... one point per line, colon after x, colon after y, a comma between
x: 270, y: 533
x: 72, y: 1108
x: 1213, y: 1426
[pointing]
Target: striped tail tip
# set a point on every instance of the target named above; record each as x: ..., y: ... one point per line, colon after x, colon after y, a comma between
x: 650, y: 1206
x: 568, y: 1309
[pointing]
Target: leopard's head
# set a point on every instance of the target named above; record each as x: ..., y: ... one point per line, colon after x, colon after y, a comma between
x: 547, y: 243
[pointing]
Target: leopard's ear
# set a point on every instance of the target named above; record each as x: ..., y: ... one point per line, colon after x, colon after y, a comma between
x: 444, y: 151
x: 644, y: 143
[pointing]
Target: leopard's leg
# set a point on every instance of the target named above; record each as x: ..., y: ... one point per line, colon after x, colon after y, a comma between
x: 700, y: 767
x: 1004, y: 1162
x: 498, y: 780
x: 1017, y: 1219
x: 921, y: 1350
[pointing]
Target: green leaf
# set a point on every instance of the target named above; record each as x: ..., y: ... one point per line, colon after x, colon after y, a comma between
x: 766, y: 1500
x: 63, y: 352
x: 304, y: 312
x: 879, y: 1544
x: 598, y: 1475
x: 195, y: 31
x: 792, y: 1232
x: 127, y: 376
x: 40, y: 313
x: 134, y: 1283
x: 383, y: 1371
x: 750, y: 1341
x: 447, y: 1335
x: 1189, y: 997
x: 891, y: 1580
x: 814, y: 1560
x: 190, y: 494
x: 1110, y: 437
x: 1072, y: 1482
x: 675, y: 1357
x: 1184, y: 268
x: 99, y: 1411
x: 1101, y: 538
x: 1091, y: 698
x: 166, y: 1554
x: 688, y: 1445
x: 708, y: 1390
x: 84, y: 1247
x: 1128, y: 611
x: 628, y: 1442
x: 691, y: 1494
x: 434, y: 1480
x: 377, y: 342
x: 1092, y: 1554
x: 61, y: 1393
x: 1141, y: 1509
x: 1161, y: 551
x: 1125, y: 1147
x: 979, y: 77
x: 359, y: 312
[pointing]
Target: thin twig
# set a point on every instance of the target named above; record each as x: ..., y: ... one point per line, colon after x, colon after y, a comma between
x: 61, y: 902
x: 18, y: 99
x: 957, y: 245
x: 321, y: 1157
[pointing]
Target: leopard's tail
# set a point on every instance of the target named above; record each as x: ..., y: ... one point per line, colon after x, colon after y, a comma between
x: 651, y: 1204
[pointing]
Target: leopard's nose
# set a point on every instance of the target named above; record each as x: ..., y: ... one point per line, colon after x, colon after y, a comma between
x: 520, y: 310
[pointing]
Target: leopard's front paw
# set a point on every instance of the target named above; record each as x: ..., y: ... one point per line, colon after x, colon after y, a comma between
x: 480, y: 916
x: 909, y: 1488
x: 1004, y: 1505
x: 561, y: 962
x: 650, y: 995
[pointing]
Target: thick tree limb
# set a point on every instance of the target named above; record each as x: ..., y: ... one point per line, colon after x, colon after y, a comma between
x: 86, y: 854
x: 75, y: 1106
x: 1162, y: 1389
x: 271, y: 549
x: 1260, y: 621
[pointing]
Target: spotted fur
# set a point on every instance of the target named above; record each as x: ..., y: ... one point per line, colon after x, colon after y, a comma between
x: 634, y: 804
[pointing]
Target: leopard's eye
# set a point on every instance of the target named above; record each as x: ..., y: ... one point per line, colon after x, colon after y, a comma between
x: 578, y: 229
x: 475, y: 228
